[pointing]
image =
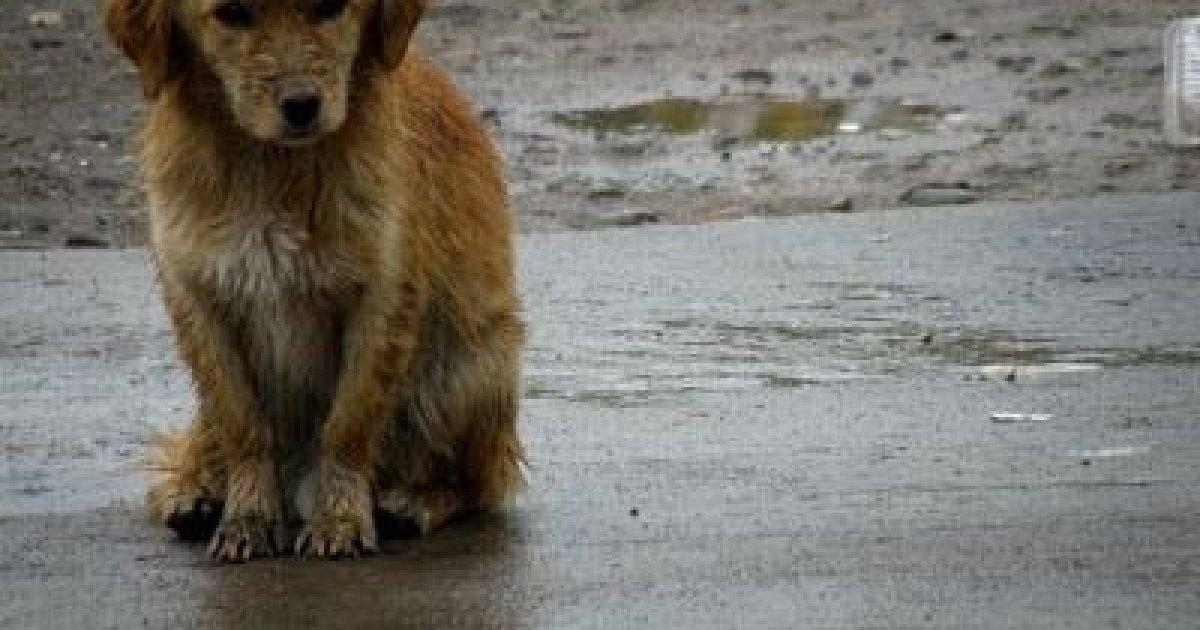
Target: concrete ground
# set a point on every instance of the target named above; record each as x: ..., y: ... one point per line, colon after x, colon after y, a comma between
x: 779, y: 423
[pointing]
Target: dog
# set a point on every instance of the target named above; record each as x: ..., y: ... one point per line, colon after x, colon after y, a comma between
x: 330, y: 227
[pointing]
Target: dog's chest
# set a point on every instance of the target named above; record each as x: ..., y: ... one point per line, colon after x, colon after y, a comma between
x: 264, y: 262
x: 287, y: 303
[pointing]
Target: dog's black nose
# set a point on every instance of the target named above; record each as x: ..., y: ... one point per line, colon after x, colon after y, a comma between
x: 301, y: 110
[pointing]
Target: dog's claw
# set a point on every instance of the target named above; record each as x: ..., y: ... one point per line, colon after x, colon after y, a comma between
x: 403, y: 514
x: 335, y: 541
x: 238, y: 541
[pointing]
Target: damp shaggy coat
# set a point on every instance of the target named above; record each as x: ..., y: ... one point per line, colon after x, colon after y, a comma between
x: 331, y: 231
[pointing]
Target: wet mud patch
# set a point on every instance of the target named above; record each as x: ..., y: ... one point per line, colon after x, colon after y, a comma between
x: 751, y: 117
x: 1010, y: 354
x: 681, y: 357
x: 982, y: 347
x: 772, y: 334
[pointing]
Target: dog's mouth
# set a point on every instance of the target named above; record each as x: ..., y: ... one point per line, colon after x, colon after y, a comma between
x: 298, y: 138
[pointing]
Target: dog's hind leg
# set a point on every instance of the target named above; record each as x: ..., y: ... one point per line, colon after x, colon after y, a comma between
x: 456, y: 449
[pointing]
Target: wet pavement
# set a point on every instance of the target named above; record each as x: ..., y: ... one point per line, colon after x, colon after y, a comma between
x: 981, y: 416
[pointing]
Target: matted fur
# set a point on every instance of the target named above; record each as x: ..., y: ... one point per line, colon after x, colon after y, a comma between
x: 346, y: 304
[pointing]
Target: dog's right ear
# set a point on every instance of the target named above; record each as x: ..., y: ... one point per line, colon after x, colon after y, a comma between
x: 145, y: 31
x: 389, y: 28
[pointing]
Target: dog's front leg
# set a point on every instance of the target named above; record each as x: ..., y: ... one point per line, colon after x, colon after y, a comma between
x: 380, y: 342
x: 251, y: 523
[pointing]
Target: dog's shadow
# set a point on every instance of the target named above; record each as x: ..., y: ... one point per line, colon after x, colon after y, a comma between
x: 471, y: 573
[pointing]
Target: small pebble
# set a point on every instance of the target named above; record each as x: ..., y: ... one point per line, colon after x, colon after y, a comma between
x: 844, y: 204
x: 862, y: 79
x: 44, y: 19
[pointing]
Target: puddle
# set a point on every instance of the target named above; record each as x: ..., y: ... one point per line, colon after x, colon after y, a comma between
x: 755, y: 117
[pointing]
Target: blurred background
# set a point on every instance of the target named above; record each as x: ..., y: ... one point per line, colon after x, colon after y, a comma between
x: 628, y: 112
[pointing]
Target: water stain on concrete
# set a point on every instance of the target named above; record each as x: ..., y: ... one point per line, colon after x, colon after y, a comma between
x: 753, y: 117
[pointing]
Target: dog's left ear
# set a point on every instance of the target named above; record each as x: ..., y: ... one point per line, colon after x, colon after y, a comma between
x: 389, y: 27
x: 145, y: 31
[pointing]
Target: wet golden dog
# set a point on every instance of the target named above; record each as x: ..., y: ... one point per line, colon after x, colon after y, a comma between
x: 332, y: 236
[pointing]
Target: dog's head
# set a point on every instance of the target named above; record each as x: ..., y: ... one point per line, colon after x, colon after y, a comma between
x: 285, y: 68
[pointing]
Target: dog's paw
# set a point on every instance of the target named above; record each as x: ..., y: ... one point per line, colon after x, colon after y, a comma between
x: 242, y: 539
x: 337, y: 516
x: 404, y: 514
x: 191, y: 511
x: 194, y: 518
x: 335, y: 538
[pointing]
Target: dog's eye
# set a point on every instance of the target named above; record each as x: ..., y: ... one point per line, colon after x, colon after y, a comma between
x: 328, y: 9
x: 234, y: 14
